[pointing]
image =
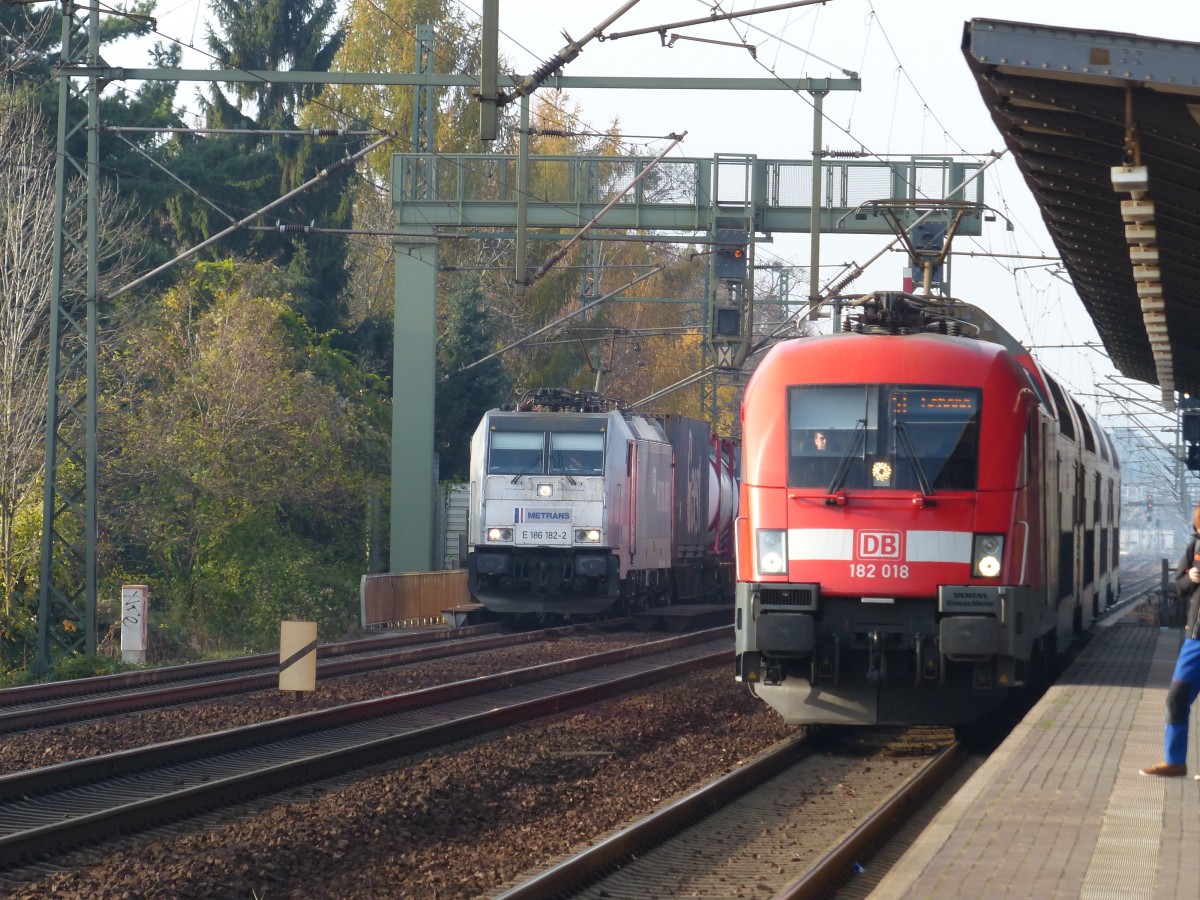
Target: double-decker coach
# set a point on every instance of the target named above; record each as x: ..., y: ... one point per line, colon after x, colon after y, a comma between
x: 926, y: 519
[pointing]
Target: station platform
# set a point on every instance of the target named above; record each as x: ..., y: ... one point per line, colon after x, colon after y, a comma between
x: 1060, y: 810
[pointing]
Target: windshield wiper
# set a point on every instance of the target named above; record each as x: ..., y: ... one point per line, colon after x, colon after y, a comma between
x: 525, y: 471
x: 906, y: 441
x: 558, y: 465
x: 843, y: 469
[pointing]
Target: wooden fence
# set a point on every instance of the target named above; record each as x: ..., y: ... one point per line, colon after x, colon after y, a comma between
x: 411, y: 598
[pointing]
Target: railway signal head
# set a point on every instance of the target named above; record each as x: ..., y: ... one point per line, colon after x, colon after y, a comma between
x: 1191, y: 426
x: 732, y: 254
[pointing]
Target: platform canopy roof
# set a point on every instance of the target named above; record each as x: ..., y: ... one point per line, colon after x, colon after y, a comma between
x: 1105, y: 128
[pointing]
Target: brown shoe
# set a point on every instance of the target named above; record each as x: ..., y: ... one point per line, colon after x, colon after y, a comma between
x: 1166, y: 770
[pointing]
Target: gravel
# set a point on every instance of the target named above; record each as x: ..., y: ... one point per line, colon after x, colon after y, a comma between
x: 86, y: 739
x: 455, y: 823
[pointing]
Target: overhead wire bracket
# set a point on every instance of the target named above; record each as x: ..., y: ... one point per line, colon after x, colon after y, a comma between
x: 669, y: 44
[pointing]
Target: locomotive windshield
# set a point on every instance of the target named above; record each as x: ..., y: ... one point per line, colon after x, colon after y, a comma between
x: 540, y: 453
x: 900, y: 437
x: 573, y: 453
x: 516, y: 453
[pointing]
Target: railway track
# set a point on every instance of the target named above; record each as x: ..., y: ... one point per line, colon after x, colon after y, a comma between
x: 750, y: 833
x: 58, y: 808
x: 55, y: 703
x: 761, y: 828
x: 481, y: 811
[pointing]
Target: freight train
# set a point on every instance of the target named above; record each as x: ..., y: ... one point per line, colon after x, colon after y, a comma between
x: 581, y: 508
x: 927, y: 519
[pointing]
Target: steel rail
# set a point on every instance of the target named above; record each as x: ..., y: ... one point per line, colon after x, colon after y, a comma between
x: 574, y: 874
x: 614, y: 851
x: 837, y: 867
x: 99, y: 706
x: 58, y: 797
x: 823, y: 879
x: 77, y: 687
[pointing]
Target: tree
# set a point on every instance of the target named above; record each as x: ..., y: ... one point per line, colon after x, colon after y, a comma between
x: 462, y: 399
x: 381, y: 36
x: 242, y: 173
x: 27, y: 34
x: 222, y: 436
x: 298, y: 35
x: 31, y: 47
x: 31, y: 34
x: 26, y: 248
x: 27, y: 211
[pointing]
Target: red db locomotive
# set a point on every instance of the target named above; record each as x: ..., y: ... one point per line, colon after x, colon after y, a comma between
x: 926, y: 519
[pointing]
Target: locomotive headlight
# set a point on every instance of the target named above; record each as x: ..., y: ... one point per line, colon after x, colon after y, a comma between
x: 587, y: 535
x: 499, y: 534
x: 545, y: 490
x: 989, y: 550
x: 772, y: 551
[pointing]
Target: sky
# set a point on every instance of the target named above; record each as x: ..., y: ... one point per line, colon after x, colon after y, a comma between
x: 917, y: 97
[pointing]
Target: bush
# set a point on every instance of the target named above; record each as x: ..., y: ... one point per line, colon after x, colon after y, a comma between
x: 258, y: 576
x: 18, y: 647
x: 82, y: 666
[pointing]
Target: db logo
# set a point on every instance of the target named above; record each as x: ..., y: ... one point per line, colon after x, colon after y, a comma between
x: 879, y: 545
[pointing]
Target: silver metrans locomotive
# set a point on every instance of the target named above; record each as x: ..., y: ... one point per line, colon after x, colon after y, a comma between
x: 578, y: 507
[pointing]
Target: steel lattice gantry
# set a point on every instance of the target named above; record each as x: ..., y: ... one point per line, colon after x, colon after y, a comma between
x: 67, y: 582
x: 1105, y: 128
x: 435, y: 195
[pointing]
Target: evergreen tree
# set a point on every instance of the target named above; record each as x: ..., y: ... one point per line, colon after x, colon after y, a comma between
x: 280, y: 35
x: 463, y: 399
x: 30, y: 48
x: 125, y: 158
x: 31, y: 38
x: 242, y: 173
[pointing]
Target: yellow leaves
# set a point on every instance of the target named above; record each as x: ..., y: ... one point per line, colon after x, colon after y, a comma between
x: 381, y: 37
x: 214, y: 397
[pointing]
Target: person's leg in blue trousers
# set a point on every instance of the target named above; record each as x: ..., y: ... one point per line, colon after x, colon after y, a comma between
x: 1185, y: 686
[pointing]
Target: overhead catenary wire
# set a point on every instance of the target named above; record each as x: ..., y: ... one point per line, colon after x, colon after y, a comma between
x: 587, y: 130
x: 572, y: 50
x: 556, y: 322
x: 849, y: 73
x: 872, y: 19
x: 315, y: 101
x: 258, y: 213
x: 258, y: 132
x: 789, y: 323
x: 565, y: 248
x: 409, y: 31
x: 860, y: 269
x: 566, y: 112
x: 187, y: 187
x: 824, y: 115
x: 320, y: 102
x: 717, y: 15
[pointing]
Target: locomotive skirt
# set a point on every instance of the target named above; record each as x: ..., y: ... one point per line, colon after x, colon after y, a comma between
x: 1185, y: 686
